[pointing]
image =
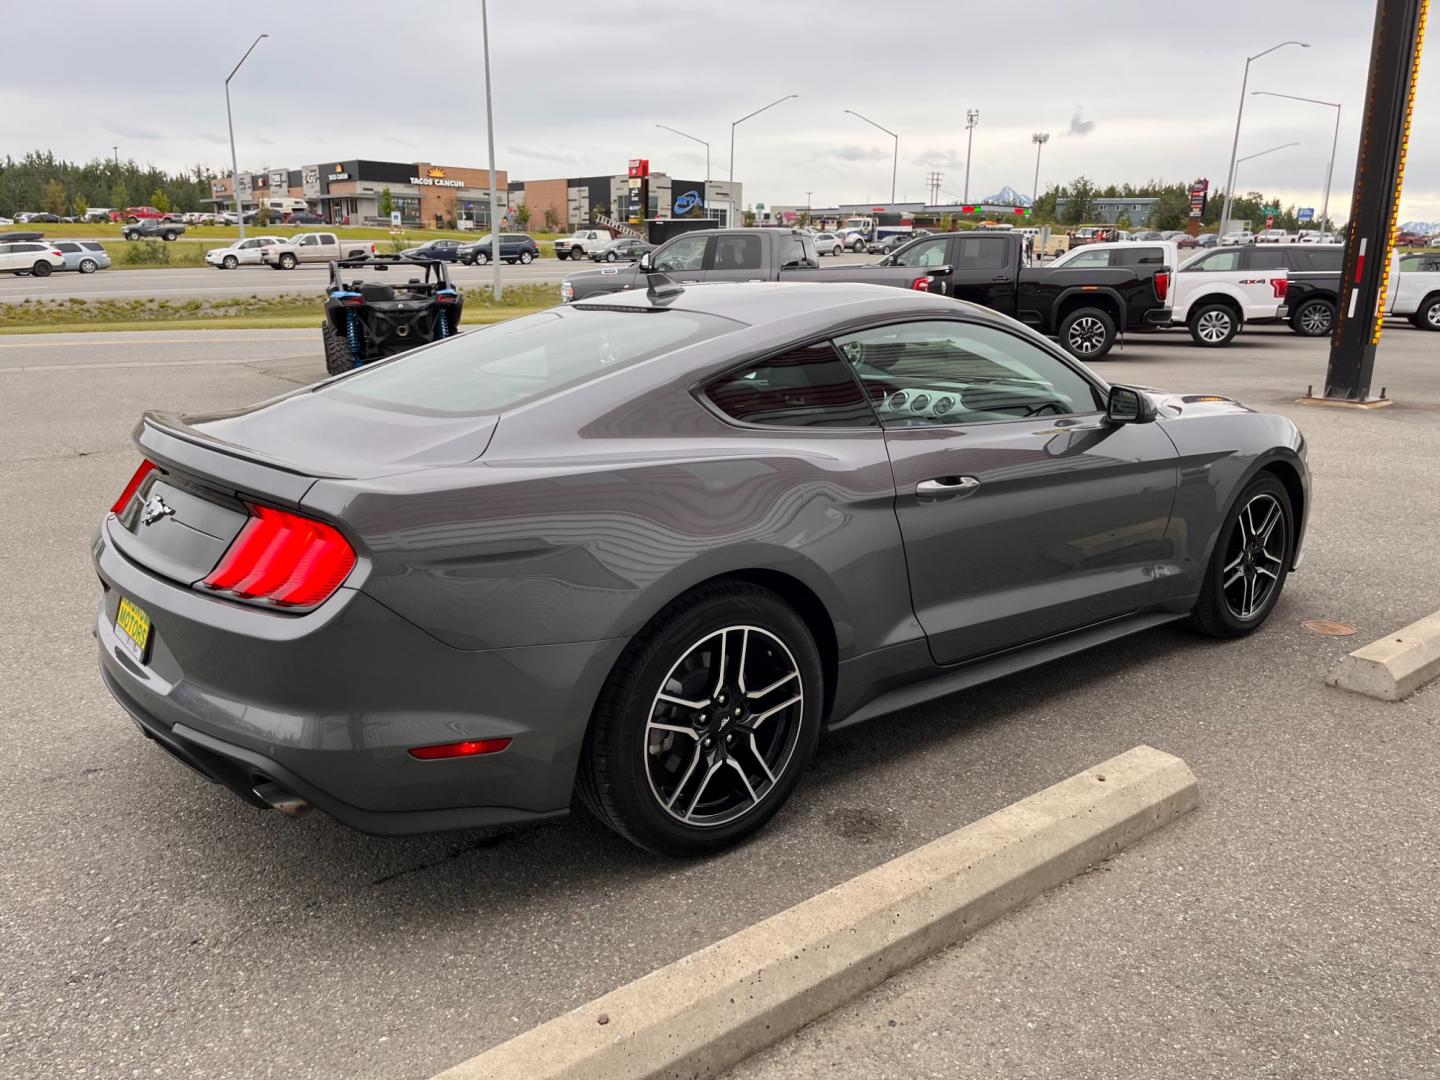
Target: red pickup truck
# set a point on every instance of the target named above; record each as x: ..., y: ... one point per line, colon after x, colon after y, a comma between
x: 133, y: 214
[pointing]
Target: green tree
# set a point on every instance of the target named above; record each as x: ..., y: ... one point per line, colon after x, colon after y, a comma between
x: 262, y: 215
x: 522, y: 217
x: 160, y: 201
x: 54, y: 201
x: 387, y: 203
x: 1080, y: 205
x: 552, y: 219
x: 81, y: 206
x: 119, y: 195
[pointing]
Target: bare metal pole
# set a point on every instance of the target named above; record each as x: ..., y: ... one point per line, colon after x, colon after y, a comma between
x: 692, y: 138
x: 234, y: 162
x: 1334, y: 142
x: 742, y: 119
x: 1040, y: 138
x: 972, y: 117
x: 1235, y: 143
x: 895, y: 164
x: 490, y: 132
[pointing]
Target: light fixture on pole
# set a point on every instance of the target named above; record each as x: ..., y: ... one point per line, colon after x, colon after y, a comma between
x: 1040, y: 138
x: 234, y: 162
x: 1235, y: 143
x: 1334, y: 141
x: 490, y: 135
x: 742, y: 119
x: 972, y: 117
x: 117, y: 155
x: 895, y: 164
x: 692, y: 138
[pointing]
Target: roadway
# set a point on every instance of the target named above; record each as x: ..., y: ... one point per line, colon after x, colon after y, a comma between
x: 153, y: 925
x: 200, y: 283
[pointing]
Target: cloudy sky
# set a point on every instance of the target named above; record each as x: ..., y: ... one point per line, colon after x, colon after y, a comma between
x: 1128, y: 89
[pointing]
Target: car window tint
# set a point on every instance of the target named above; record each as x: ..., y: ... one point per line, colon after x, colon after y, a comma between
x: 1263, y: 257
x: 1328, y: 260
x: 683, y: 253
x: 496, y: 367
x: 808, y: 387
x: 67, y: 247
x: 943, y: 372
x: 1087, y: 260
x: 1216, y: 261
x: 90, y: 245
x: 980, y: 253
x: 1140, y: 256
x: 740, y: 252
x: 925, y: 253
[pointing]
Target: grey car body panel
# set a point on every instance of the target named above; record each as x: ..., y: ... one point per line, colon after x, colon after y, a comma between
x: 504, y: 562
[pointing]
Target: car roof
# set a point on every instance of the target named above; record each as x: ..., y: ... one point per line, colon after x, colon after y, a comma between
x: 757, y: 303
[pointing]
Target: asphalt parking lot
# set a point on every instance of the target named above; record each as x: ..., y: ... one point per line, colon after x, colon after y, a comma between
x: 154, y: 925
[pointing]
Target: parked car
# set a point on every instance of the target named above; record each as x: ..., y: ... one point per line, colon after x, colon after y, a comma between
x: 1313, y: 278
x: 27, y: 257
x: 1213, y: 303
x: 1314, y: 236
x: 1237, y: 237
x: 625, y: 249
x: 582, y: 243
x: 1274, y: 236
x: 828, y: 244
x: 133, y: 214
x: 83, y: 256
x: 303, y: 217
x: 888, y: 243
x: 442, y: 250
x: 7, y: 221
x: 152, y: 228
x: 34, y: 218
x: 241, y: 253
x: 321, y: 247
x: 1086, y: 309
x: 499, y: 584
x: 1208, y: 240
x: 514, y: 248
x: 1414, y: 291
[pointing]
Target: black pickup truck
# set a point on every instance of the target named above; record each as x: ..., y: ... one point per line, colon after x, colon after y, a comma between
x: 151, y: 228
x: 1086, y: 309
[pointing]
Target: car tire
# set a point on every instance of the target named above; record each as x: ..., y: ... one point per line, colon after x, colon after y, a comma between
x: 1087, y: 333
x: 561, y: 255
x: 1428, y: 316
x: 41, y: 269
x: 1213, y: 326
x: 577, y: 253
x: 1313, y: 318
x: 287, y: 261
x: 481, y: 258
x: 230, y: 262
x: 167, y: 236
x: 338, y: 358
x: 610, y: 256
x: 526, y: 258
x: 88, y: 266
x: 645, y: 781
x: 1248, y: 556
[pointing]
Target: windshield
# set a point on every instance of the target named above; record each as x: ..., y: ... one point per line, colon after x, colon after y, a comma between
x: 503, y: 365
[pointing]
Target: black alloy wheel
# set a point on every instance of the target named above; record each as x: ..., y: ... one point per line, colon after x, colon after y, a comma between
x: 1250, y: 562
x: 1087, y: 333
x: 1313, y: 318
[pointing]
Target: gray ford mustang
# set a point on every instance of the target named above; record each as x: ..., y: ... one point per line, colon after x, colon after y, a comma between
x: 644, y: 548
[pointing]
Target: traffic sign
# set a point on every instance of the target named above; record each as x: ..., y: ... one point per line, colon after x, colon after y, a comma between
x: 1307, y: 213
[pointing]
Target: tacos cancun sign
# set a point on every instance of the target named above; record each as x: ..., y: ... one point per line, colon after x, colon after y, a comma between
x: 436, y: 181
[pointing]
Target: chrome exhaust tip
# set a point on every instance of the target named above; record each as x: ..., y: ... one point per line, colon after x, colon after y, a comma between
x: 282, y: 799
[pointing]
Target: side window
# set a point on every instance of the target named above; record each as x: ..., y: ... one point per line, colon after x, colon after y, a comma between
x: 1217, y: 261
x: 925, y: 253
x: 980, y: 253
x: 1266, y: 257
x: 327, y: 238
x: 807, y: 387
x: 90, y: 245
x: 1329, y: 260
x: 683, y: 253
x: 1088, y: 260
x: 1141, y: 256
x: 925, y: 373
x: 68, y: 248
x: 740, y: 252
x: 793, y: 253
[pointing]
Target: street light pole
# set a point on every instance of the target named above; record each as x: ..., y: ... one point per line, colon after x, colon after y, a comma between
x: 1040, y: 138
x: 972, y: 117
x: 490, y: 134
x: 692, y: 138
x: 1234, y: 169
x: 234, y: 162
x: 1334, y: 142
x: 895, y: 164
x: 1235, y: 143
x: 117, y: 155
x: 742, y: 119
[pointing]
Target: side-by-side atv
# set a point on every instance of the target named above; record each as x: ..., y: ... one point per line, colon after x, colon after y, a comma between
x: 368, y: 318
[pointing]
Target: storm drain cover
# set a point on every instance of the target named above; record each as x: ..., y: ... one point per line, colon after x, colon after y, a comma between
x: 1327, y: 628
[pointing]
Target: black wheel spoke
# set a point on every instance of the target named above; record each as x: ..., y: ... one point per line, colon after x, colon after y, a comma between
x: 1255, y: 557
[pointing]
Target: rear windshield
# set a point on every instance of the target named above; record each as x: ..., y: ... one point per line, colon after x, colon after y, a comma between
x: 501, y: 366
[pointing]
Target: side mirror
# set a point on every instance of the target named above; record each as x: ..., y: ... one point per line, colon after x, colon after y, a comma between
x: 646, y: 263
x: 1126, y: 405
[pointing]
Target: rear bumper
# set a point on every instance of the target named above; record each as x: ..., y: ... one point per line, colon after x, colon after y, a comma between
x: 1158, y: 317
x: 327, y: 704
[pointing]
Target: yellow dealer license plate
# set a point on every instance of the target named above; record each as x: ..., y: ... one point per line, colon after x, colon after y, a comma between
x: 132, y: 628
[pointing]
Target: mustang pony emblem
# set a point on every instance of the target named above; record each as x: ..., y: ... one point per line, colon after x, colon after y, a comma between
x: 155, y: 509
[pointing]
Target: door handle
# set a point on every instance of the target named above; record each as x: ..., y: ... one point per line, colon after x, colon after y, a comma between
x: 947, y: 485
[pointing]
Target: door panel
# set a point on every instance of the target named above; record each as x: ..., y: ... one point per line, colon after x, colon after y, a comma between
x: 737, y: 257
x: 981, y: 272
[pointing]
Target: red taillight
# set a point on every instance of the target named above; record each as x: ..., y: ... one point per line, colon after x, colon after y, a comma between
x: 469, y: 748
x: 1281, y: 286
x: 133, y: 486
x: 283, y: 559
x: 921, y: 284
x: 352, y: 300
x: 58, y: 254
x: 1162, y: 284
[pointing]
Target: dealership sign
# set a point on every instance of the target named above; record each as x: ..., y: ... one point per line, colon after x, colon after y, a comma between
x: 1198, y: 194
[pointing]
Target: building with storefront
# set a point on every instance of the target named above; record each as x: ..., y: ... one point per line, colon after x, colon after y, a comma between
x: 573, y: 202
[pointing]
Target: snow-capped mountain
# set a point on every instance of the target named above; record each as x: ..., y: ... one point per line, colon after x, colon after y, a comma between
x: 1423, y: 228
x: 1008, y: 196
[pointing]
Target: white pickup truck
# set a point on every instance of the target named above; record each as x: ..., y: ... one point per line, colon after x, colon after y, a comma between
x: 317, y: 247
x: 582, y: 244
x: 1209, y: 295
x: 1415, y: 289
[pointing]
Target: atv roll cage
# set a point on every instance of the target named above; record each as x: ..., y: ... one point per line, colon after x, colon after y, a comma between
x: 366, y: 319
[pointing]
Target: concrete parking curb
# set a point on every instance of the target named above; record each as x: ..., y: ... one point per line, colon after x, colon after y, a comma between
x: 713, y: 1008
x: 1395, y: 666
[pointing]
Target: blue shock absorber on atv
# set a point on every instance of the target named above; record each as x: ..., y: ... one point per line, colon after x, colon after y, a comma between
x: 442, y: 317
x: 442, y: 321
x: 352, y: 335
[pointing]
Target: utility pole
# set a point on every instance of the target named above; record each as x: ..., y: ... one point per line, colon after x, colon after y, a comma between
x: 490, y: 133
x: 1375, y: 202
x: 1040, y: 138
x: 234, y: 162
x: 972, y: 117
